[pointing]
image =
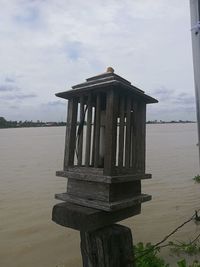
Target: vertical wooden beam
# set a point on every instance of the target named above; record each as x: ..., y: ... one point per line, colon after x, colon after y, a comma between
x: 140, y: 137
x: 121, y: 133
x: 111, y: 131
x: 70, y: 139
x: 128, y: 133
x: 97, y: 130
x: 143, y: 138
x: 111, y: 246
x: 80, y: 137
x: 88, y: 134
x: 133, y: 134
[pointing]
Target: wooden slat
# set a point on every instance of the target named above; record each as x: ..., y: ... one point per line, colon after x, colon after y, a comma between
x: 143, y: 138
x: 70, y: 140
x: 80, y: 138
x: 140, y: 136
x: 88, y: 134
x: 111, y: 132
x: 97, y: 130
x: 133, y: 134
x: 121, y: 133
x: 128, y: 133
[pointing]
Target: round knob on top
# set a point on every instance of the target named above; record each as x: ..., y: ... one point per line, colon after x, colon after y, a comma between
x: 110, y: 69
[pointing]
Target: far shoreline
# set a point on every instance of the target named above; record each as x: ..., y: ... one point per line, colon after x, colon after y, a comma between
x: 31, y: 124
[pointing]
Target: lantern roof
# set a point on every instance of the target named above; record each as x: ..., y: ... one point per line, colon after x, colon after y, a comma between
x: 106, y: 81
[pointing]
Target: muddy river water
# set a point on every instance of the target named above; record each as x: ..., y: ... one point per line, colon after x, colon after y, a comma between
x: 29, y: 158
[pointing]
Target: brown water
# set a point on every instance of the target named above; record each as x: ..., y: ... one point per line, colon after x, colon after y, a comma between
x: 28, y: 161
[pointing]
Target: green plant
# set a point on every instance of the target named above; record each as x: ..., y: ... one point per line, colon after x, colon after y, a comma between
x: 182, y: 263
x: 197, y: 178
x: 146, y: 256
x: 184, y: 248
x: 195, y: 264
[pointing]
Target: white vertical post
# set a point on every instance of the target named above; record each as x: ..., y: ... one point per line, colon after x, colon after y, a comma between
x: 195, y: 31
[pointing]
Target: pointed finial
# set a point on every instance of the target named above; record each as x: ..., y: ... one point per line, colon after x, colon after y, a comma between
x: 110, y: 69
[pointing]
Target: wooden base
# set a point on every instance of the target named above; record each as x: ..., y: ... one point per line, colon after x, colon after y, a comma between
x: 104, y: 205
x: 89, y: 187
x: 96, y: 174
x: 111, y: 246
x: 89, y: 219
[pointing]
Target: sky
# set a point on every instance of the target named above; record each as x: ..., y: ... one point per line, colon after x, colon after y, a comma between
x: 47, y: 46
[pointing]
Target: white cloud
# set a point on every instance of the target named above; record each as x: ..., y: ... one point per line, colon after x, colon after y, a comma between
x: 48, y: 46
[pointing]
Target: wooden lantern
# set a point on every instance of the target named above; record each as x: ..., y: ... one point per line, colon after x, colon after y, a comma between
x: 104, y: 157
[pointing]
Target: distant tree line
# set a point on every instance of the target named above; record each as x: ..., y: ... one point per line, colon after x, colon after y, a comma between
x: 173, y: 121
x: 19, y: 124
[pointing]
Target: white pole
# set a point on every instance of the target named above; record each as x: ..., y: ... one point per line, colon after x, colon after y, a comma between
x: 195, y: 31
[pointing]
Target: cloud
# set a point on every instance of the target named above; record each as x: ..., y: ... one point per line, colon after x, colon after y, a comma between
x: 8, y: 88
x: 51, y: 45
x: 184, y: 99
x: 163, y: 93
x: 28, y: 15
x: 9, y: 80
x: 74, y: 50
x: 170, y: 96
x: 19, y: 96
x: 55, y: 103
x: 14, y: 107
x: 173, y: 105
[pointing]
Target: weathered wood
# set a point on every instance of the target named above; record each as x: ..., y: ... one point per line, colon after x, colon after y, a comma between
x: 106, y: 192
x: 88, y: 190
x: 123, y: 191
x: 140, y: 137
x: 128, y: 133
x: 101, y: 205
x: 111, y: 246
x: 89, y: 219
x: 106, y: 186
x: 101, y: 85
x: 88, y: 134
x: 121, y: 133
x: 80, y: 137
x: 143, y: 138
x: 133, y: 134
x: 97, y: 130
x: 89, y: 174
x: 111, y: 132
x: 70, y: 140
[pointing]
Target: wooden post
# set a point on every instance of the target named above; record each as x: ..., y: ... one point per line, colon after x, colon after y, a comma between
x: 110, y: 246
x: 70, y: 139
x: 128, y: 133
x: 80, y: 140
x: 111, y: 132
x: 105, y: 187
x: 97, y: 131
x: 88, y: 135
x: 141, y: 136
x: 121, y: 133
